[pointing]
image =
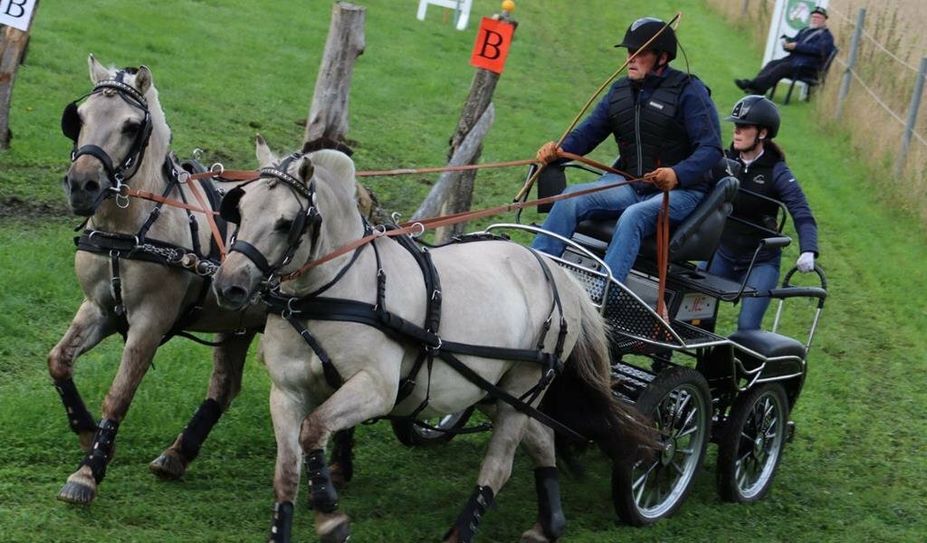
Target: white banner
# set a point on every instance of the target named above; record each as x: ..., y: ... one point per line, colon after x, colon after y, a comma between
x: 17, y: 13
x: 789, y: 16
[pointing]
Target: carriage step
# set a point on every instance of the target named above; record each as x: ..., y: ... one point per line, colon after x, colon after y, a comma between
x: 629, y: 381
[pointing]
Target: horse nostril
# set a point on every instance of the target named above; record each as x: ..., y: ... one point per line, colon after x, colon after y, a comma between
x: 92, y: 186
x: 235, y: 294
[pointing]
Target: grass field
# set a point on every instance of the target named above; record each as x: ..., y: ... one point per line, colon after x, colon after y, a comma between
x: 857, y: 470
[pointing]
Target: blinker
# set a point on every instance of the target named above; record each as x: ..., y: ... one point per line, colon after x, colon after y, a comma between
x: 228, y: 208
x: 70, y: 122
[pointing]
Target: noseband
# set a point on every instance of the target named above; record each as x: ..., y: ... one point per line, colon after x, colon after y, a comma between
x: 308, y: 217
x: 71, y: 126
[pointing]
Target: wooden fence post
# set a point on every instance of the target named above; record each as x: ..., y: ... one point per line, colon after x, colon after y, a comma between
x: 328, y: 115
x: 453, y: 193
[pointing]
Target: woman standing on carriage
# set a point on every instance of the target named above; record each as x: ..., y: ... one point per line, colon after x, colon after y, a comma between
x: 764, y: 172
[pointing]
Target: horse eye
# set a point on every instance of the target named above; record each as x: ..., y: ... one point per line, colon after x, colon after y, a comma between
x: 283, y: 225
x: 131, y: 128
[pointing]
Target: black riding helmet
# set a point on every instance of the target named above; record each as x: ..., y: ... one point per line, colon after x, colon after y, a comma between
x: 643, y: 29
x: 758, y: 111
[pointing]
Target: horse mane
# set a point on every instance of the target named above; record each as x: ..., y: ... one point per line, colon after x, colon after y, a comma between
x: 339, y: 165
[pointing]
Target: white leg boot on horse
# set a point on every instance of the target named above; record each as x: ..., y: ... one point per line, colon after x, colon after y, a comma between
x: 224, y: 386
x: 87, y: 329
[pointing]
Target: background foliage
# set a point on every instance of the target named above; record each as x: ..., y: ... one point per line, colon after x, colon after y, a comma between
x: 856, y: 471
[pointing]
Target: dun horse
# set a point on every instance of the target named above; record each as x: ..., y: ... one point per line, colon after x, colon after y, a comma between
x: 392, y: 329
x: 144, y: 269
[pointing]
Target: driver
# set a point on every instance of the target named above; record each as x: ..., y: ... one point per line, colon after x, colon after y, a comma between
x: 667, y: 130
x: 763, y: 172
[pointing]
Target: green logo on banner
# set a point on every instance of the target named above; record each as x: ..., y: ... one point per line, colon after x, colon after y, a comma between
x: 798, y: 13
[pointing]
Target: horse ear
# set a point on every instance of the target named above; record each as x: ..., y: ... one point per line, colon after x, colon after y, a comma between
x: 97, y: 71
x: 265, y: 156
x: 143, y: 79
x: 306, y: 169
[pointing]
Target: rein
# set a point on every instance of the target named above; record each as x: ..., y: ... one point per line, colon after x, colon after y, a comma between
x: 417, y: 228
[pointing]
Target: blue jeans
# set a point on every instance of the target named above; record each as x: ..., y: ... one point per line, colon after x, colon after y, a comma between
x: 763, y: 276
x: 636, y: 214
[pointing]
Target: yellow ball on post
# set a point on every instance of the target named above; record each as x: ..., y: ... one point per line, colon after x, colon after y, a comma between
x: 508, y: 5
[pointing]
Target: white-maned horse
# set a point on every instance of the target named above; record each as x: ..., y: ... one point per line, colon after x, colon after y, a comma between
x: 334, y: 363
x: 144, y: 273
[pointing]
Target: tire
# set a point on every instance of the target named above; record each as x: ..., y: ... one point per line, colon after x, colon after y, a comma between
x: 413, y: 434
x: 752, y: 442
x: 658, y: 482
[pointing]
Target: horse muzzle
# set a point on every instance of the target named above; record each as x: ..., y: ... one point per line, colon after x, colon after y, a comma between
x: 84, y: 191
x: 233, y: 285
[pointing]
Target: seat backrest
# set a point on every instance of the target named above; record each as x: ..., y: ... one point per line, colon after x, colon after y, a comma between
x: 697, y: 237
x: 819, y: 75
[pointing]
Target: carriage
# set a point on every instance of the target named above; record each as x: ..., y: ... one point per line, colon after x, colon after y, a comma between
x: 695, y: 385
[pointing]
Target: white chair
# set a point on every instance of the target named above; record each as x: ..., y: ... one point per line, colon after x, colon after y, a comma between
x: 460, y: 7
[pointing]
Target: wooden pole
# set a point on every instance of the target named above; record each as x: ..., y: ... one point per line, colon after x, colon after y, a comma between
x: 12, y: 47
x: 328, y: 114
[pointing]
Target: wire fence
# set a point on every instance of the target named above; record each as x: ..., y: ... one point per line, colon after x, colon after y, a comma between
x: 879, y: 84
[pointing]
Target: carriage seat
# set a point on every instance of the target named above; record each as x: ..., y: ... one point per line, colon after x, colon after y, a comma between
x: 695, y: 238
x: 768, y: 344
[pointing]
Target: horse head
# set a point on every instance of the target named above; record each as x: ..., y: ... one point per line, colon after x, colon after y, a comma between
x: 297, y: 208
x: 112, y: 127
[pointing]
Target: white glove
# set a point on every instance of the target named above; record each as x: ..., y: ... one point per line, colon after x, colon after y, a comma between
x: 805, y: 262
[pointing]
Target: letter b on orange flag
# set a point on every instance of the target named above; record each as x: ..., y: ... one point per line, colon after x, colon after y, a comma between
x: 491, y: 47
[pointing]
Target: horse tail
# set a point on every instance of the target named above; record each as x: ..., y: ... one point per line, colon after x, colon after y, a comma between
x: 581, y: 398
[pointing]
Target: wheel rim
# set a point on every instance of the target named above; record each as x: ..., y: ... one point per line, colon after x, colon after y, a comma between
x: 759, y: 446
x: 659, y: 482
x: 443, y: 423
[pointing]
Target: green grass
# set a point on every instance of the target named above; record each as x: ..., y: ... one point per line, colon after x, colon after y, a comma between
x: 856, y: 471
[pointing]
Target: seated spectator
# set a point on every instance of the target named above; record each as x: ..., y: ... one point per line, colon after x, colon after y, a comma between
x: 808, y: 51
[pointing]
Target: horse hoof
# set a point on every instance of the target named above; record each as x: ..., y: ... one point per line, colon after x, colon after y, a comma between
x: 79, y: 493
x: 535, y: 535
x: 337, y: 530
x: 167, y: 467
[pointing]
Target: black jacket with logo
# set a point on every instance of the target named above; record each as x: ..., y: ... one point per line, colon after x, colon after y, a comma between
x: 768, y: 176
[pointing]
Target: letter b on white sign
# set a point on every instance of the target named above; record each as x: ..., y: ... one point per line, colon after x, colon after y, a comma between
x: 16, y: 13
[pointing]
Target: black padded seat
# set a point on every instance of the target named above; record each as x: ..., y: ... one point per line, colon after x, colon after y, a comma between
x: 696, y: 238
x: 768, y: 344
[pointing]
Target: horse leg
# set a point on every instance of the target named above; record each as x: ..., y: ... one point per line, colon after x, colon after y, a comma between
x: 228, y: 364
x: 508, y: 429
x: 287, y: 410
x: 88, y: 327
x: 361, y: 397
x: 539, y: 444
x: 141, y: 344
x: 341, y: 462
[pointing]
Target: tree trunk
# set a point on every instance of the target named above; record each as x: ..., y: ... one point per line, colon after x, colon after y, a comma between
x: 328, y: 115
x: 12, y: 46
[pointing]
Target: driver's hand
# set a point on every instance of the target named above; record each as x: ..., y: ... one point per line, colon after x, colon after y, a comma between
x: 549, y: 152
x: 663, y: 178
x: 805, y: 262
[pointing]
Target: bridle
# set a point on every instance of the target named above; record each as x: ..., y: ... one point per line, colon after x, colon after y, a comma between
x: 117, y: 175
x: 308, y: 217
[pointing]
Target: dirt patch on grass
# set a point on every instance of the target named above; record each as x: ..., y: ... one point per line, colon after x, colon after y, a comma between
x: 16, y: 208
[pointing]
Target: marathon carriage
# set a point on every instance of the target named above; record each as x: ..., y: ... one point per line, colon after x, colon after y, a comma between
x: 697, y: 386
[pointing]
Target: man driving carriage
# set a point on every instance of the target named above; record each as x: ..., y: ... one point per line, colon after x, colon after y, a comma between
x: 667, y: 131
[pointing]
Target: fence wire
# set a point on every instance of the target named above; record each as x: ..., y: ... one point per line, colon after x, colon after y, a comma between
x: 871, y: 38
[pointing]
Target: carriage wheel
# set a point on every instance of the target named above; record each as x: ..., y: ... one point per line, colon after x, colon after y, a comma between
x: 414, y: 434
x: 655, y: 486
x: 751, y: 446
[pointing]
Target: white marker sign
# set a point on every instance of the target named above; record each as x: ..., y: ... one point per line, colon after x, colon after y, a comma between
x: 16, y: 13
